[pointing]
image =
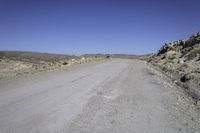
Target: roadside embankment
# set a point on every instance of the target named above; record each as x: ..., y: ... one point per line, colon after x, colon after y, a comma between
x: 180, y: 61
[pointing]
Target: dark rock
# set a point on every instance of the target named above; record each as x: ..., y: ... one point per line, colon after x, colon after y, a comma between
x: 184, y: 78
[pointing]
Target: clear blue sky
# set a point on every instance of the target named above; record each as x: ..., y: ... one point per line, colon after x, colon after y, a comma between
x: 95, y: 26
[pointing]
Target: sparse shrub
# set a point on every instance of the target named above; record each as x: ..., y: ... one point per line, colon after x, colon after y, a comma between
x: 107, y: 56
x: 149, y: 59
x: 65, y: 63
x: 193, y: 54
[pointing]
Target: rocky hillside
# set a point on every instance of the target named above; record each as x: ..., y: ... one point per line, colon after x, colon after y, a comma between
x: 180, y: 60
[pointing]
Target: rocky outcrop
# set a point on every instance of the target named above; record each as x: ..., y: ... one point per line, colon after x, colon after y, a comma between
x: 180, y: 60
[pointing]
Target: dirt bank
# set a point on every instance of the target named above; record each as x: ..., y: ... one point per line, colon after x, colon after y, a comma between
x: 180, y: 61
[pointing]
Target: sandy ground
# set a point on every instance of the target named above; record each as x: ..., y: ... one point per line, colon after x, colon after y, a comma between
x: 115, y: 96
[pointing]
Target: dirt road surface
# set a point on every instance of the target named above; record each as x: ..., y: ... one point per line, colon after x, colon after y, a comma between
x: 114, y: 96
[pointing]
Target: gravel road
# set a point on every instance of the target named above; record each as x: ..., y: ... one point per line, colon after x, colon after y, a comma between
x: 113, y: 96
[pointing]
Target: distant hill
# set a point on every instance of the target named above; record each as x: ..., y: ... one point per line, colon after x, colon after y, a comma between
x: 37, y: 57
x: 122, y: 56
x: 33, y: 57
